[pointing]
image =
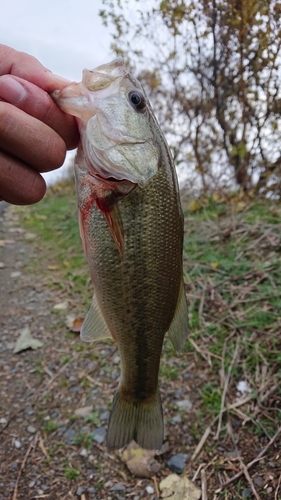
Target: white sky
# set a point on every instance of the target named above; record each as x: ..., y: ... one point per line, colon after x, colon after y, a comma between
x: 65, y: 35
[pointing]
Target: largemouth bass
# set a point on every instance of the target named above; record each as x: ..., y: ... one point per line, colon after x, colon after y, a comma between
x: 131, y: 225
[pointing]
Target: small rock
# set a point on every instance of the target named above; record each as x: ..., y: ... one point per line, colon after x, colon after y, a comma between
x: 258, y: 481
x: 99, y: 435
x: 232, y: 454
x: 104, y: 415
x: 247, y: 493
x: 185, y: 405
x: 17, y: 443
x: 70, y: 435
x: 116, y: 360
x: 3, y: 421
x: 176, y: 419
x: 83, y: 453
x: 118, y: 487
x: 177, y: 463
x: 31, y: 484
x: 80, y: 490
x: 149, y: 490
x: 31, y: 429
x: 28, y: 410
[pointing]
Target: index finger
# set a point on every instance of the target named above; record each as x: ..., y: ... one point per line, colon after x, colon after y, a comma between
x: 29, y: 68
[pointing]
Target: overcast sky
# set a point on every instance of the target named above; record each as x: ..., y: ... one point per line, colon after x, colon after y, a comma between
x: 65, y: 35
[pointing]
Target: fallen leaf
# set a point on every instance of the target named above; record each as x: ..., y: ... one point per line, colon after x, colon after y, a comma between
x: 214, y: 265
x: 140, y: 462
x: 194, y: 205
x: 74, y: 324
x: 15, y: 274
x: 26, y: 341
x: 83, y: 412
x: 175, y: 487
x: 30, y: 236
x: 61, y: 306
x: 52, y: 267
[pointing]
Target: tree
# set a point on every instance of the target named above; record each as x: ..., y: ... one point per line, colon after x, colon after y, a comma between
x: 212, y: 69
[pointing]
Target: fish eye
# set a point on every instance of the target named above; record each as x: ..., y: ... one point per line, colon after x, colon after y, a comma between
x: 137, y: 100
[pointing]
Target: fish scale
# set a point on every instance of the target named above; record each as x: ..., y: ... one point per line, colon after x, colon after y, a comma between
x: 132, y: 227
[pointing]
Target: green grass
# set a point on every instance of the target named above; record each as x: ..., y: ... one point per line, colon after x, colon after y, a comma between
x: 232, y: 271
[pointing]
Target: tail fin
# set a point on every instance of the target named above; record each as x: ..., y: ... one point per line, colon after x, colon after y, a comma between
x: 142, y: 422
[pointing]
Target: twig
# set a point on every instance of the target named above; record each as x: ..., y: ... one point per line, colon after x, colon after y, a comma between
x: 156, y: 487
x: 31, y: 445
x: 204, y: 485
x: 278, y: 486
x: 250, y: 464
x: 226, y: 384
x: 202, y: 442
x: 208, y: 429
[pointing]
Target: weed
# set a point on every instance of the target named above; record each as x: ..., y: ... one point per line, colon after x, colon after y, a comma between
x: 50, y: 426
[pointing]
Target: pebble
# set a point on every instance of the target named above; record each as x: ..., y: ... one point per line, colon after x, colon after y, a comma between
x: 80, y: 490
x: 31, y: 429
x: 185, y: 404
x: 99, y: 435
x: 17, y: 443
x: 31, y: 484
x: 118, y: 487
x: 28, y: 410
x: 104, y: 415
x: 247, y: 493
x: 149, y: 490
x: 3, y: 421
x: 258, y: 481
x: 70, y: 435
x: 176, y: 419
x: 83, y: 453
x: 177, y: 463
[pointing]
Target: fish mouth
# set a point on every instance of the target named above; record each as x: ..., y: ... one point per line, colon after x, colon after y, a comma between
x: 103, y: 76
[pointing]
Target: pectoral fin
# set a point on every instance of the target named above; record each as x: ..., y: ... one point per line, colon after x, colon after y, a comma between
x: 94, y: 327
x: 113, y: 218
x: 178, y: 330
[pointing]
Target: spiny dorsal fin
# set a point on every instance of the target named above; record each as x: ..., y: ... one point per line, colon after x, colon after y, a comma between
x: 178, y: 330
x: 94, y: 327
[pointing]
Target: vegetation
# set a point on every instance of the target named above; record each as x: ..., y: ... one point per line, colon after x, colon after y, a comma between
x: 232, y: 264
x: 212, y: 72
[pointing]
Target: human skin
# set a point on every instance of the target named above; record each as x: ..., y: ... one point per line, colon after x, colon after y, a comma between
x: 34, y: 133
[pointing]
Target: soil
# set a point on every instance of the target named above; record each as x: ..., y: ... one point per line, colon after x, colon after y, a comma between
x: 48, y: 451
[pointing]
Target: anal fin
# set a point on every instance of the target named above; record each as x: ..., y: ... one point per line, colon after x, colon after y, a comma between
x: 178, y: 330
x: 94, y: 327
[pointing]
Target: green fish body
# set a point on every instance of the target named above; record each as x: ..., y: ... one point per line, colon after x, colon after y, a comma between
x: 132, y: 228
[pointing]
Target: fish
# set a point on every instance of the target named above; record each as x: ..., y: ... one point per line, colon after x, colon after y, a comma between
x: 131, y: 225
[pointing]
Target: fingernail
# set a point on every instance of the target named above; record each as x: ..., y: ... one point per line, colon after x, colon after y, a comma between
x: 11, y: 90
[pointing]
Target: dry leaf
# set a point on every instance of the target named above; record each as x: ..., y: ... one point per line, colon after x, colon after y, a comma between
x: 74, y: 324
x: 194, y: 205
x: 140, y: 462
x: 61, y: 306
x: 26, y: 341
x: 83, y: 412
x: 174, y: 487
x: 214, y: 265
x: 52, y: 267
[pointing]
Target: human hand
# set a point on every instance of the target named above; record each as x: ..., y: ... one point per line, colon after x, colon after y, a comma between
x: 34, y: 132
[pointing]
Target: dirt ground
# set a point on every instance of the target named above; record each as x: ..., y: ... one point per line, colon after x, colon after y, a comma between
x: 49, y: 449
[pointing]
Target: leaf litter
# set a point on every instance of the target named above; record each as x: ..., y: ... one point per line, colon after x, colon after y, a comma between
x: 233, y: 439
